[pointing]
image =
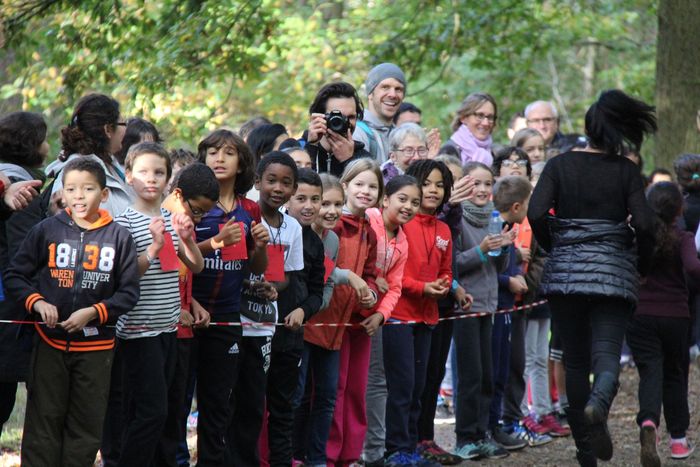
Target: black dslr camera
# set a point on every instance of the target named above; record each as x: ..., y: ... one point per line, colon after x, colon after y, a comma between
x: 337, y: 122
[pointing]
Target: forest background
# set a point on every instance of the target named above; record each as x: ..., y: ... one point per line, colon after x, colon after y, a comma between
x: 190, y: 66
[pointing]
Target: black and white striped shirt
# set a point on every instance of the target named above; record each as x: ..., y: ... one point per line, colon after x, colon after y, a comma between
x: 158, y: 308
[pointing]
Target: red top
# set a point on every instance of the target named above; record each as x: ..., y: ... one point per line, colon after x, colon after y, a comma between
x: 185, y: 278
x: 358, y: 252
x: 429, y: 257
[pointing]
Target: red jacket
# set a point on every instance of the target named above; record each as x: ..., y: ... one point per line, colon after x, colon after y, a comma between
x: 357, y: 252
x: 429, y: 257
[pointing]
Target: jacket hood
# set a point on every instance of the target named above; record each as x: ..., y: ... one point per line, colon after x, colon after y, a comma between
x: 104, y: 219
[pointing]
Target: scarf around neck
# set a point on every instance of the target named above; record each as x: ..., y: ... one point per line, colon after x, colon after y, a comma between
x: 471, y: 148
x: 478, y: 216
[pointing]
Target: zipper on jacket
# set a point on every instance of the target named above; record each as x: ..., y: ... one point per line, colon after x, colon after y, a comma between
x: 78, y: 271
x: 328, y: 162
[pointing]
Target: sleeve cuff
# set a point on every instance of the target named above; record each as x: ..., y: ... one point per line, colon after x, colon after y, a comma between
x: 482, y: 256
x: 101, y: 312
x: 31, y: 300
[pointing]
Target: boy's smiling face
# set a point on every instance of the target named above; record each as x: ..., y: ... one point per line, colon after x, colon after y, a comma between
x: 305, y: 204
x: 276, y: 185
x: 82, y: 194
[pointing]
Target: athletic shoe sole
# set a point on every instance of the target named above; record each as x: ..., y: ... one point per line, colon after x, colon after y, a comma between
x: 649, y: 456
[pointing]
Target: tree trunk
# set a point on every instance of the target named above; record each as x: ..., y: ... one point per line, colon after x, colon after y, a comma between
x: 677, y: 80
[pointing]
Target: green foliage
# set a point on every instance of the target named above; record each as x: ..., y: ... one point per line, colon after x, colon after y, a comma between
x: 193, y: 65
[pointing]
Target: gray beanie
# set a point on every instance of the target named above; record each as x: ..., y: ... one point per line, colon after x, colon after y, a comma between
x: 381, y: 72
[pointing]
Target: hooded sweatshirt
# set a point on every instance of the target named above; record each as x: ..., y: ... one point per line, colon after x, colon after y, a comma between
x: 74, y: 268
x: 429, y: 258
x: 391, y: 260
x: 357, y: 252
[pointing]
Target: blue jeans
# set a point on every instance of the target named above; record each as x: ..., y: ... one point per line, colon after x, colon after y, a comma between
x: 318, y: 376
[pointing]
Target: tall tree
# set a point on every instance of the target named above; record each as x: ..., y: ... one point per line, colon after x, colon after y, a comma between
x: 677, y: 79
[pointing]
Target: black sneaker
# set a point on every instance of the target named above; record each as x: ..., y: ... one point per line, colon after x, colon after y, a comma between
x: 490, y: 449
x: 508, y: 441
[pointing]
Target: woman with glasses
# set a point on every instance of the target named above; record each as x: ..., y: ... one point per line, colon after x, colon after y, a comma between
x: 96, y: 130
x: 408, y: 144
x: 473, y: 125
x: 512, y: 161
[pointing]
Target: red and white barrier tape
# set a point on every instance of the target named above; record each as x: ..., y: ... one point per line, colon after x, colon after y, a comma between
x: 346, y: 325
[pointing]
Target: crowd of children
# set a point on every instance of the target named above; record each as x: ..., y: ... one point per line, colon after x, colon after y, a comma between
x: 308, y: 325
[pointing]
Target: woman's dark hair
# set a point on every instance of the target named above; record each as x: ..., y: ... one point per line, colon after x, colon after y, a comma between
x: 86, y: 132
x: 262, y: 139
x: 336, y: 89
x: 398, y: 182
x: 505, y: 153
x: 136, y: 129
x: 421, y: 169
x: 197, y: 180
x: 666, y: 200
x: 277, y: 157
x: 21, y: 136
x: 687, y: 168
x: 222, y: 137
x: 616, y: 119
x: 250, y: 125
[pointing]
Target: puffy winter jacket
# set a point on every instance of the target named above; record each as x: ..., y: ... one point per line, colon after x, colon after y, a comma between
x: 591, y: 257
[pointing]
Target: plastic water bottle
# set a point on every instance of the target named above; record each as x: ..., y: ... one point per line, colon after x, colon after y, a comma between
x: 495, y: 228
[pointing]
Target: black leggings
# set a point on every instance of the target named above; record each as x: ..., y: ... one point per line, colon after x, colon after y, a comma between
x: 591, y: 330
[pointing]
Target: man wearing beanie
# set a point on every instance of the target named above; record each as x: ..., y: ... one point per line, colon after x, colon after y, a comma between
x: 386, y: 87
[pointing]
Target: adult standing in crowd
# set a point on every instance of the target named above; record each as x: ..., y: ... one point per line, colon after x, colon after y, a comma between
x: 543, y: 117
x: 386, y: 88
x: 96, y: 131
x: 331, y: 151
x: 591, y: 277
x: 473, y: 126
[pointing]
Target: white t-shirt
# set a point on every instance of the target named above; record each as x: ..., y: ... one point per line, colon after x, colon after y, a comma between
x: 289, y: 235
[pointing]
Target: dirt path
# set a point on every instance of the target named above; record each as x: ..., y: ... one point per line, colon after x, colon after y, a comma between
x: 561, y: 452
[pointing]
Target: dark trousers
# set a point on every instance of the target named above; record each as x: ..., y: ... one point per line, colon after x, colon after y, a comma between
x: 8, y: 394
x: 218, y: 349
x: 66, y: 403
x: 474, y: 390
x: 439, y: 350
x: 591, y: 330
x: 248, y: 402
x: 149, y: 367
x: 315, y: 402
x: 500, y: 356
x: 658, y: 345
x: 282, y: 382
x: 515, y: 387
x: 110, y: 446
x: 406, y: 351
x: 175, y: 429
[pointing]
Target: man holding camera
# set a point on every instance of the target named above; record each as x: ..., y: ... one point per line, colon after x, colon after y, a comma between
x: 334, y: 114
x: 386, y: 88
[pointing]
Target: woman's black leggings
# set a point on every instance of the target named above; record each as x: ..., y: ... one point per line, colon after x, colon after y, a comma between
x: 591, y: 330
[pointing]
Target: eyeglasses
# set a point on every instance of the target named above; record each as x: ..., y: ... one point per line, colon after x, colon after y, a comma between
x: 512, y: 163
x: 537, y: 121
x: 121, y: 123
x: 410, y: 152
x: 195, y: 212
x: 481, y: 117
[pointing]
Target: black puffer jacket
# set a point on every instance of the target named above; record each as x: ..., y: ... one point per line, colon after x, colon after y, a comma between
x: 591, y: 257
